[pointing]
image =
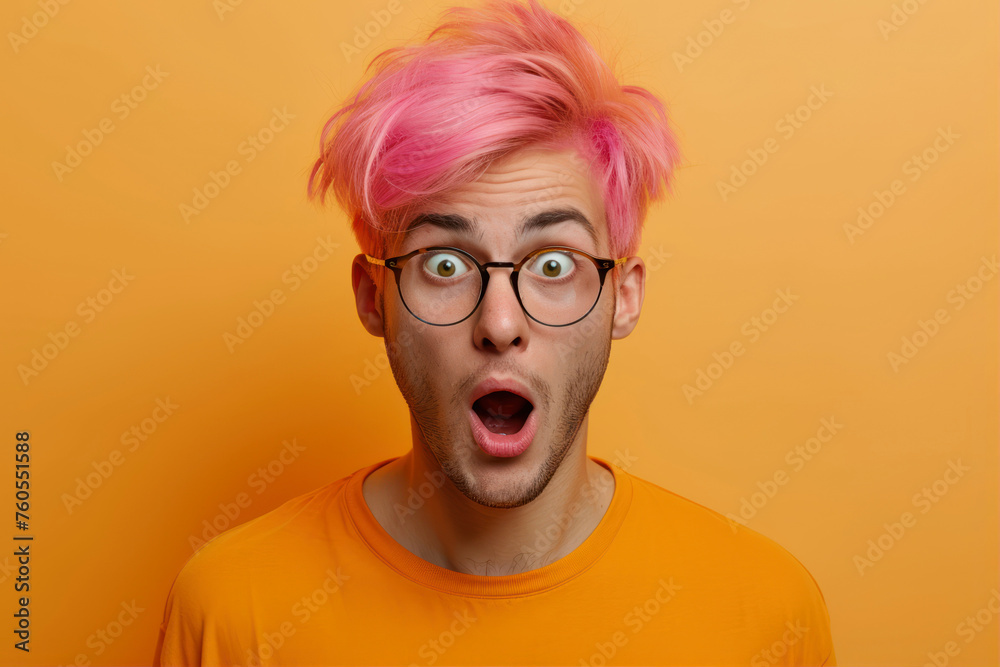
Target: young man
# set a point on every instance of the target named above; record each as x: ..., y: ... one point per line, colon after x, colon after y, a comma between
x: 497, y: 176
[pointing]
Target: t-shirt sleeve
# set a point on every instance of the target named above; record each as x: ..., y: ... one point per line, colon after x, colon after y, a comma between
x: 179, y: 638
x: 791, y: 609
x: 822, y: 618
x: 817, y: 642
x: 198, y: 627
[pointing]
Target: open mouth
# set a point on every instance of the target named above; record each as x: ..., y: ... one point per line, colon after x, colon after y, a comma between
x: 502, y: 411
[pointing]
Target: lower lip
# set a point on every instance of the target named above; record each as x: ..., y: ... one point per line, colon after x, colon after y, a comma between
x: 499, y: 445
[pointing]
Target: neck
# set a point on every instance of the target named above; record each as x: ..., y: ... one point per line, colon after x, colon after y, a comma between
x: 426, y: 513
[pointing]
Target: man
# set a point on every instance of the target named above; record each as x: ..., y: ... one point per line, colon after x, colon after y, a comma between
x: 497, y: 176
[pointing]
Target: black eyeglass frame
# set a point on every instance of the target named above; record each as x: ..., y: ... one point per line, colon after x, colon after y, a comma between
x: 395, y: 264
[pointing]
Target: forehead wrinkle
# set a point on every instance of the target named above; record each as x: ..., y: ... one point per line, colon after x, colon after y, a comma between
x: 531, y: 186
x: 547, y: 193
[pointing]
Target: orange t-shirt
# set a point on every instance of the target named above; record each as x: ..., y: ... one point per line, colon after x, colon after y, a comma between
x: 662, y: 580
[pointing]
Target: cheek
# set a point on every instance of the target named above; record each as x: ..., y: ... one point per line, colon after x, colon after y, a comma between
x: 577, y: 345
x: 429, y: 352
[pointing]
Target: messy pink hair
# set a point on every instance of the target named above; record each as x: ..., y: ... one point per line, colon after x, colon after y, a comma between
x: 486, y: 82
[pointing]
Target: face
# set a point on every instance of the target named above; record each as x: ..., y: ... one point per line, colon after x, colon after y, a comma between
x: 562, y: 367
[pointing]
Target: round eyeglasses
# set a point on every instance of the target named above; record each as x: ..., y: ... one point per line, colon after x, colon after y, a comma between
x: 442, y: 285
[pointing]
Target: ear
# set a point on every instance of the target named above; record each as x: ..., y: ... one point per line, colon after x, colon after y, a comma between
x: 366, y: 296
x: 630, y: 291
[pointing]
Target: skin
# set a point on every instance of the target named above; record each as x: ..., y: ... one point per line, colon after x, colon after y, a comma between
x: 486, y: 516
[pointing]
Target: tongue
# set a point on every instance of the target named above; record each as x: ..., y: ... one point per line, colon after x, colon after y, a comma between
x: 502, y: 411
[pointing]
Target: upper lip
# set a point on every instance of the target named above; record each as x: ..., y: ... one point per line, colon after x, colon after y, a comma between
x: 492, y: 384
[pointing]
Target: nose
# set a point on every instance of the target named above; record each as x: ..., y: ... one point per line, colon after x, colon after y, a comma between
x: 500, y: 321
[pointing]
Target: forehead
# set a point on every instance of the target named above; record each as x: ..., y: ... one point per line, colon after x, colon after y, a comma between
x: 530, y: 176
x: 531, y: 189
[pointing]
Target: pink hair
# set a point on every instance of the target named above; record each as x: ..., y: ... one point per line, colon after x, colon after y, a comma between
x: 487, y: 82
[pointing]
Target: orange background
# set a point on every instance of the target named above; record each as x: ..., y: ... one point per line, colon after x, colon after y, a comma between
x: 713, y: 263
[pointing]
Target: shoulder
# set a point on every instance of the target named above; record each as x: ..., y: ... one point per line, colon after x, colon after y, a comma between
x: 763, y: 577
x: 232, y: 580
x: 707, y: 527
x: 297, y: 525
x: 227, y: 578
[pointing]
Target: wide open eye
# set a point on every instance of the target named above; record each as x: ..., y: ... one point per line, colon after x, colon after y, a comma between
x: 441, y: 264
x: 553, y: 264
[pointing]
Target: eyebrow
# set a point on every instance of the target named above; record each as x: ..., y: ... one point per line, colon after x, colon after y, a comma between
x: 458, y: 223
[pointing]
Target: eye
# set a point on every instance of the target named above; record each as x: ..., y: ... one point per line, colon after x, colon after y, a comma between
x: 445, y: 265
x: 554, y: 264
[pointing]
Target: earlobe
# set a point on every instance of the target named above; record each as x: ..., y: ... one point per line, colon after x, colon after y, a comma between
x: 630, y: 294
x: 366, y: 297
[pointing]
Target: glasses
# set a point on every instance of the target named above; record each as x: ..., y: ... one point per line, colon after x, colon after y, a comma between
x: 442, y: 285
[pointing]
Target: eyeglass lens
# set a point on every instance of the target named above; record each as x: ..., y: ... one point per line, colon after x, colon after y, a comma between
x: 557, y: 287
